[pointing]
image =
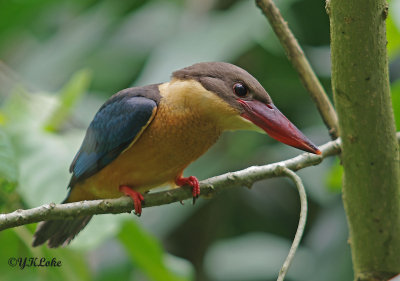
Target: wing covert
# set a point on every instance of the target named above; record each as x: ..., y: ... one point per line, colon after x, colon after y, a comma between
x: 117, y: 124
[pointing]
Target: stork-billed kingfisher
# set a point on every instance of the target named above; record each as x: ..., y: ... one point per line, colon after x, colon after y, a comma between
x: 144, y: 137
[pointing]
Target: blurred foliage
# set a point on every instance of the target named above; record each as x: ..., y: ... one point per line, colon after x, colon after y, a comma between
x: 8, y: 166
x: 61, y: 59
x: 395, y: 88
x: 146, y: 252
x: 68, y: 97
x: 15, y: 243
x: 334, y: 178
x: 393, y: 34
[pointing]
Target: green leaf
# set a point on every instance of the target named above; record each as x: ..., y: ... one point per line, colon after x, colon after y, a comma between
x: 69, y: 96
x: 16, y: 244
x: 395, y: 89
x: 393, y: 37
x: 43, y: 158
x: 146, y: 252
x: 334, y: 178
x: 8, y: 166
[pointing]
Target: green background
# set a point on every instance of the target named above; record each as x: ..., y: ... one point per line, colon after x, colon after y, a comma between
x: 60, y: 60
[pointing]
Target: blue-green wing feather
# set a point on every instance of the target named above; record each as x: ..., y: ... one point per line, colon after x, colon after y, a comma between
x: 112, y: 130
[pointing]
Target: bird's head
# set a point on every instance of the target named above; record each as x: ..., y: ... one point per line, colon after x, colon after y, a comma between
x: 248, y: 99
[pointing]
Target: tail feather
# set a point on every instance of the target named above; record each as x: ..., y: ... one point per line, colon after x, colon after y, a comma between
x: 59, y: 232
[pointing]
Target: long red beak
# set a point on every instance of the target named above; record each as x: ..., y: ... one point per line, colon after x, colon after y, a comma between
x: 272, y: 121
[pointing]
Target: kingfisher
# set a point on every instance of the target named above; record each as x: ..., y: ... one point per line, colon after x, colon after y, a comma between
x: 144, y: 137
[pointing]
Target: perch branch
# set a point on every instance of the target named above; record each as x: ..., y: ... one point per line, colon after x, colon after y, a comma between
x: 209, y: 188
x: 301, y: 64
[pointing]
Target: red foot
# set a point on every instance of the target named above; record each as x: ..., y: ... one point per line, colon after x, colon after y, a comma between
x: 136, y: 197
x: 193, y: 182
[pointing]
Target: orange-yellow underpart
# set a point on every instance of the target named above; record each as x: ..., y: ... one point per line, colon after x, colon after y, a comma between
x: 186, y: 124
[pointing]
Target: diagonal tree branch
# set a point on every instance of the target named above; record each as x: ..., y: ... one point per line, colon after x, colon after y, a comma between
x: 301, y: 64
x: 209, y: 188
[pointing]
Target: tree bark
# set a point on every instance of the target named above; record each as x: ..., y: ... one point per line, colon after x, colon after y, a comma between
x: 370, y: 153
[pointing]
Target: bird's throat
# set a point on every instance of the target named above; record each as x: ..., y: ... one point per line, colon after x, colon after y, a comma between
x: 190, y: 96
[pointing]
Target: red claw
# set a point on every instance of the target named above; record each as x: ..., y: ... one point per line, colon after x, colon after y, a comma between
x: 136, y: 197
x: 193, y: 182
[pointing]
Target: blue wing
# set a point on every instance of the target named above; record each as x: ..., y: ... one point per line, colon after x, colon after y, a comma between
x: 115, y: 126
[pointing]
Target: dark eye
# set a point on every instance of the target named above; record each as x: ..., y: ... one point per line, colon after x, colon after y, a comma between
x: 240, y: 89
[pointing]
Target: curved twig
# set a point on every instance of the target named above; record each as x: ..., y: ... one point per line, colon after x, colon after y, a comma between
x: 302, y: 221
